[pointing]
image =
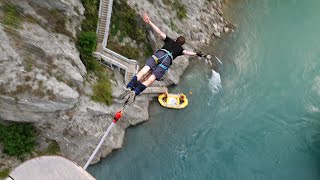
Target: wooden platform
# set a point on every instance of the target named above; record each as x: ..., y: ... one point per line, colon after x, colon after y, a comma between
x: 155, y: 90
x: 49, y: 168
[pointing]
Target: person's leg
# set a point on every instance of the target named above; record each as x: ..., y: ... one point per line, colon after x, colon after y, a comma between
x: 150, y: 80
x: 142, y: 86
x: 142, y: 72
x: 150, y: 64
x: 136, y: 78
x: 157, y: 73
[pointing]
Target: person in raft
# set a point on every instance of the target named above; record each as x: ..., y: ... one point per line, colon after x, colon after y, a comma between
x: 158, y: 63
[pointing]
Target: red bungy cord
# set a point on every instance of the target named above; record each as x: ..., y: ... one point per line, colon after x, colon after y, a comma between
x: 117, y: 116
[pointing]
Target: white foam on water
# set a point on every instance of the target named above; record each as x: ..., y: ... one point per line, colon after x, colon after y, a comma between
x: 316, y: 85
x: 215, y: 82
x: 313, y: 109
x: 218, y: 60
x: 313, y: 106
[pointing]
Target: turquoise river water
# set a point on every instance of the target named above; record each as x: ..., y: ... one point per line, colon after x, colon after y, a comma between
x: 261, y: 122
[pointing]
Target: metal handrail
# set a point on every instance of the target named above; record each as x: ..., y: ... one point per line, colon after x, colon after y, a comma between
x: 113, y: 61
x: 100, y: 5
x: 130, y: 61
x: 106, y: 33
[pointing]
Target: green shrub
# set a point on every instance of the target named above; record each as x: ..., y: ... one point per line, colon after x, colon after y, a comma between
x: 27, y: 78
x: 60, y: 26
x: 53, y: 148
x: 177, y: 6
x: 3, y: 89
x: 57, y: 21
x: 180, y: 8
x: 89, y: 62
x: 87, y: 42
x: 91, y: 14
x: 101, y: 73
x: 60, y: 78
x: 28, y: 67
x: 39, y: 92
x: 22, y: 88
x: 125, y: 22
x: 11, y: 16
x: 4, y: 173
x: 167, y: 2
x: 18, y: 139
x: 127, y: 51
x: 102, y: 92
x: 173, y: 26
x: 87, y: 39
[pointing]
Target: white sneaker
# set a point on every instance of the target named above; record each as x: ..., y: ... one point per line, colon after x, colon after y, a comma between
x: 132, y: 97
x: 124, y: 93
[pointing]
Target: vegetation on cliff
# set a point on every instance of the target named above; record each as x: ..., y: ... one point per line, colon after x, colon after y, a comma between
x: 18, y: 139
x: 126, y: 23
x: 11, y: 17
x: 178, y: 7
x: 4, y: 173
x: 86, y: 44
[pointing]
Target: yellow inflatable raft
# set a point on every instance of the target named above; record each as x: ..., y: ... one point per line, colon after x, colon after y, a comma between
x: 176, y: 101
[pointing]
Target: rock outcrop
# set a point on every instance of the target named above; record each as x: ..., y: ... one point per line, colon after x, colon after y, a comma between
x: 42, y: 79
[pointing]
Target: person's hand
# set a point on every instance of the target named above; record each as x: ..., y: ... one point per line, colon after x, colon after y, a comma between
x: 166, y: 93
x: 200, y: 54
x: 146, y: 18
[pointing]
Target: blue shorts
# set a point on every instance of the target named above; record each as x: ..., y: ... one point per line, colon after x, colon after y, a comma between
x: 158, y: 71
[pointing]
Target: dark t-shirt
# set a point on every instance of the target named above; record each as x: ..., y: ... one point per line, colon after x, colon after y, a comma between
x: 172, y: 47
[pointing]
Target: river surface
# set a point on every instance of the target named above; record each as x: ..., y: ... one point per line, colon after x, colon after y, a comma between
x: 261, y: 122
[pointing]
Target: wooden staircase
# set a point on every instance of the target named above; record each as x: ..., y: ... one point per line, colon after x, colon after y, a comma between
x: 103, y: 17
x: 106, y: 56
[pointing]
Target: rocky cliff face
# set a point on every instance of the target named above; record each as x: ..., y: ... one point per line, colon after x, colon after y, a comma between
x: 42, y: 79
x: 41, y: 70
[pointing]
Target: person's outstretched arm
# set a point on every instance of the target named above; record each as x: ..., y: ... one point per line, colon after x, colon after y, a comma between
x: 154, y: 27
x: 190, y: 53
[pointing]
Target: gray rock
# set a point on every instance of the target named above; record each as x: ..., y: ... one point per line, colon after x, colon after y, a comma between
x: 226, y: 29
